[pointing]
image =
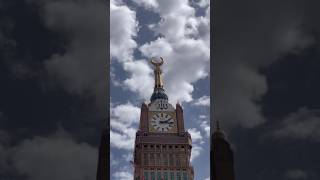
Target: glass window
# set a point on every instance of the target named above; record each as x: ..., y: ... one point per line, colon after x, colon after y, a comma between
x: 145, y: 159
x: 178, y: 176
x: 185, y: 176
x: 153, y: 176
x: 177, y: 160
x: 165, y: 159
x: 158, y: 159
x: 171, y: 175
x: 183, y: 161
x: 152, y: 159
x: 165, y: 175
x: 146, y: 176
x: 171, y: 159
x: 159, y: 175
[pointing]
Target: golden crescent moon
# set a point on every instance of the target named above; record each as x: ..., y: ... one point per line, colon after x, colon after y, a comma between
x: 157, y: 63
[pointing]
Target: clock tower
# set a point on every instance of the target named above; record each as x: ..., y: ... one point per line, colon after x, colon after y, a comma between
x: 162, y: 146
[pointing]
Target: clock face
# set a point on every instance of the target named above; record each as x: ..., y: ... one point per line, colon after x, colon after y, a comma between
x: 162, y: 122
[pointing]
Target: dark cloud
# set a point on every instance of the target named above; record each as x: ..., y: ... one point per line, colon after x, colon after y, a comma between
x: 248, y: 36
x: 264, y: 64
x: 57, y: 156
x: 81, y: 68
x: 303, y: 124
x: 53, y: 74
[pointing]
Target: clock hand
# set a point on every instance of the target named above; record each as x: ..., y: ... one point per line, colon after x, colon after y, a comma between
x: 166, y: 120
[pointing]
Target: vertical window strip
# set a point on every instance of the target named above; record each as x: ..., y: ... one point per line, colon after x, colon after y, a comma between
x: 146, y: 175
x: 159, y: 175
x: 171, y: 175
x: 178, y: 176
x: 153, y: 176
x: 165, y: 175
x: 185, y: 176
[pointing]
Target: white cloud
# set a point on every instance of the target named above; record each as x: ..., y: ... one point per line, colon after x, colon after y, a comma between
x: 122, y: 175
x: 124, y: 139
x: 196, y: 143
x: 185, y: 47
x: 113, y: 161
x: 185, y: 44
x: 195, y: 135
x: 124, y: 119
x: 123, y: 29
x: 140, y: 79
x: 203, y: 3
x: 202, y: 116
x: 203, y: 101
x: 303, y: 124
x: 208, y: 178
x: 196, y: 150
x: 147, y: 3
x: 125, y: 113
x: 205, y: 127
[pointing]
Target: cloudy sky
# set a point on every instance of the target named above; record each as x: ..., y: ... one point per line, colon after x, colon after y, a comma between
x: 266, y: 84
x: 53, y: 88
x: 179, y: 31
x: 53, y: 57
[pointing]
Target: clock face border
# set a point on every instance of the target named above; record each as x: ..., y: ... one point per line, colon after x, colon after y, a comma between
x: 151, y: 114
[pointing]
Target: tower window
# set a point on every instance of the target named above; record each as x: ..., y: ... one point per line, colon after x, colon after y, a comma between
x: 171, y: 175
x: 146, y: 163
x: 178, y: 176
x: 159, y: 175
x: 146, y: 175
x: 178, y: 163
x: 158, y: 159
x: 185, y: 176
x: 152, y: 159
x: 165, y: 159
x: 171, y: 159
x: 165, y: 175
x: 153, y: 177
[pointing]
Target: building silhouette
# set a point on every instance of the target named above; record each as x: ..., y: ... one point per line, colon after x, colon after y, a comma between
x: 103, y: 170
x: 162, y: 147
x: 221, y: 156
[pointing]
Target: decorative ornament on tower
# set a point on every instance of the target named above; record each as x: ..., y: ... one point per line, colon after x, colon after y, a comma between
x: 158, y: 91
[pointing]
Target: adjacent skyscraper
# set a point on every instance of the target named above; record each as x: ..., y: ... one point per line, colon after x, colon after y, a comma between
x: 221, y: 156
x: 162, y: 146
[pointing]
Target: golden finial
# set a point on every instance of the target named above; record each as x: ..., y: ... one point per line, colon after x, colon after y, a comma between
x: 158, y: 83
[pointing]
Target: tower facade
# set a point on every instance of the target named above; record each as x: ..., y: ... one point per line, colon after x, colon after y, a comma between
x: 221, y: 156
x: 162, y: 146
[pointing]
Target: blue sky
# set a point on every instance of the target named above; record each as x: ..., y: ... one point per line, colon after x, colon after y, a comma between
x: 179, y: 32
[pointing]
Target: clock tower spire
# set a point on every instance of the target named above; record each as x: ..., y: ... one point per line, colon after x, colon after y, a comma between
x: 162, y: 146
x: 158, y: 91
